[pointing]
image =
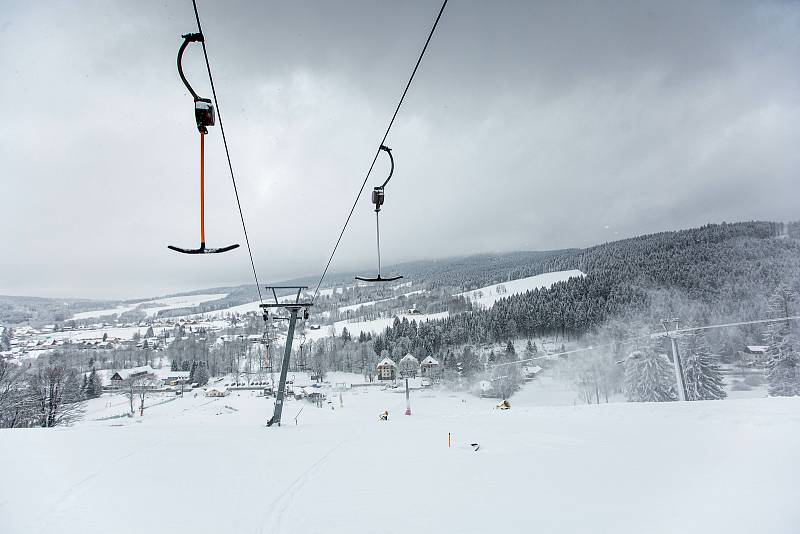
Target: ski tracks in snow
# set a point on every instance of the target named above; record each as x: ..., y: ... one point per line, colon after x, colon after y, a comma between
x: 273, y: 521
x: 71, y: 493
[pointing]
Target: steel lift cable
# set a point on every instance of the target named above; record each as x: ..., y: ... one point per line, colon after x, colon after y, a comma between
x: 378, y: 151
x: 227, y: 151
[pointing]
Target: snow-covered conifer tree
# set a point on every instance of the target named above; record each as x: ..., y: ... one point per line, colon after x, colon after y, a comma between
x: 530, y: 349
x: 783, y: 366
x: 701, y: 371
x: 201, y: 375
x: 94, y: 385
x: 648, y: 377
x: 511, y: 353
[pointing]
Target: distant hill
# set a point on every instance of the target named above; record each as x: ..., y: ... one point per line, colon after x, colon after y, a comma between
x: 716, y: 270
x: 702, y: 275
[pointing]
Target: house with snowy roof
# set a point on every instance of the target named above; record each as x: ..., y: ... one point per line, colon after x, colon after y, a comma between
x: 387, y: 369
x: 175, y: 378
x: 217, y: 391
x: 409, y: 366
x: 754, y: 354
x: 531, y: 371
x: 429, y: 367
x: 122, y: 375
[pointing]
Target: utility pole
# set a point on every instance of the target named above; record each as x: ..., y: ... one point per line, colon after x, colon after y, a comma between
x: 676, y: 357
x: 293, y: 308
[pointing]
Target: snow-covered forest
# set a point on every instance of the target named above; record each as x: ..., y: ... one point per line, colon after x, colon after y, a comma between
x: 601, y: 332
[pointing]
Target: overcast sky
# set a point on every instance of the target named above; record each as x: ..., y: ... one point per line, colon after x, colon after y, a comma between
x: 530, y: 126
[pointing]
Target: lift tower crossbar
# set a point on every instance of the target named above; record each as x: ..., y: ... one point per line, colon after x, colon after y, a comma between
x: 293, y: 308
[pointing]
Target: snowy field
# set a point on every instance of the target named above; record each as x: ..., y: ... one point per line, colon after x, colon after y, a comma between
x: 118, y: 332
x: 205, y: 465
x: 249, y: 307
x: 152, y: 307
x: 485, y: 297
x: 172, y: 303
x: 374, y: 326
x: 354, y: 307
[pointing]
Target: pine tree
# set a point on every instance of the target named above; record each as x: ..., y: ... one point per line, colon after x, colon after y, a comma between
x: 783, y: 374
x: 701, y: 371
x: 94, y: 385
x: 783, y: 367
x: 192, y: 372
x: 85, y: 383
x: 470, y: 362
x: 648, y: 378
x: 201, y: 375
x: 511, y: 353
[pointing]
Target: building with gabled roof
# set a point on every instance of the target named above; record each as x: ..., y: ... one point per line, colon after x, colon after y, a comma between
x: 121, y: 375
x: 217, y: 391
x: 387, y: 369
x: 429, y: 367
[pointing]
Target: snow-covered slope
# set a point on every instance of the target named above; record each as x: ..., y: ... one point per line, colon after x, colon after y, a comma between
x: 104, y: 312
x: 152, y: 307
x: 172, y: 303
x: 353, y: 307
x: 374, y: 326
x: 208, y: 465
x: 485, y: 297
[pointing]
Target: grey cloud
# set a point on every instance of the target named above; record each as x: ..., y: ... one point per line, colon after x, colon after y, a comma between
x: 530, y: 125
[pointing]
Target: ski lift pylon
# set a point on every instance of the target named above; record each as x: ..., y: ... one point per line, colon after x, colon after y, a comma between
x: 378, y: 198
x: 204, y: 117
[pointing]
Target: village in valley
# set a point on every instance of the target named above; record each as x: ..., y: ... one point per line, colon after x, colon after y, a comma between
x: 150, y: 354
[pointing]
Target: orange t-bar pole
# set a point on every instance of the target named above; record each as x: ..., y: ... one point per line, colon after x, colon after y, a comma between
x: 202, y: 190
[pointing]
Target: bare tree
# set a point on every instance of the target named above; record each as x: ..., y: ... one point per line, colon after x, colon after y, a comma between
x: 594, y: 375
x: 128, y: 388
x: 14, y: 410
x: 144, y: 385
x: 318, y: 363
x: 136, y: 388
x: 54, y: 394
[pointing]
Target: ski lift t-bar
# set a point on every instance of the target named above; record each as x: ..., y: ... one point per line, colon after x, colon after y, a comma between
x: 204, y: 117
x: 377, y: 192
x: 203, y: 109
x: 378, y: 199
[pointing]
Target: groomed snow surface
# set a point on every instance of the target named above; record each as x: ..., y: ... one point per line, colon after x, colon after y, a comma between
x: 204, y: 465
x: 373, y: 326
x: 485, y: 297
